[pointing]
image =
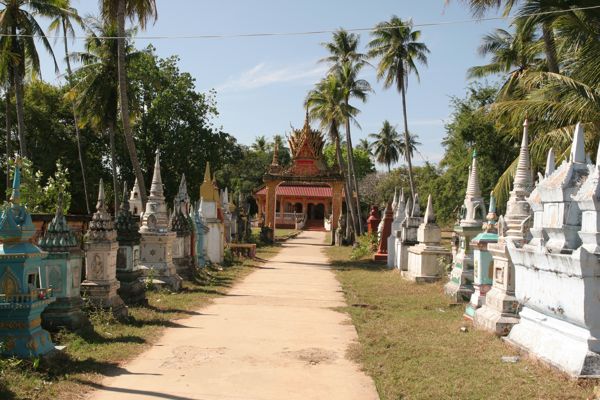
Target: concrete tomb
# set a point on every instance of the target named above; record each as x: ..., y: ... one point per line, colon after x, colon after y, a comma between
x: 62, y: 273
x: 472, y: 212
x: 408, y: 232
x: 135, y: 200
x: 398, y: 206
x: 100, y: 285
x: 200, y: 231
x: 129, y: 274
x: 156, y: 244
x: 424, y: 258
x: 181, y: 224
x: 22, y: 297
x: 482, y: 261
x: 500, y: 311
x: 215, y: 238
x: 558, y: 279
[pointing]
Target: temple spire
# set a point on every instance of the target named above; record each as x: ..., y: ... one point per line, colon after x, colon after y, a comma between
x: 523, y: 179
x: 156, y: 189
x: 15, y: 196
x: 550, y: 163
x: 401, y: 205
x: 124, y: 202
x: 395, y: 200
x: 429, y: 213
x: 101, y: 203
x: 275, y: 161
x: 473, y: 189
x: 416, y: 209
x: 577, y: 148
x: 408, y: 210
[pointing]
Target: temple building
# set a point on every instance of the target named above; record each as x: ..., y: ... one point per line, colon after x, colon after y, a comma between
x: 308, y: 190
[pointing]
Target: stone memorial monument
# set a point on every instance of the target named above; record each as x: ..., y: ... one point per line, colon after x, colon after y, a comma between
x: 396, y: 227
x: 500, y: 311
x: 210, y: 214
x: 423, y: 258
x: 200, y: 231
x: 62, y: 273
x: 135, y: 200
x: 408, y: 233
x: 386, y: 221
x: 22, y: 297
x: 472, y: 212
x: 181, y: 224
x: 156, y: 244
x: 129, y: 274
x: 100, y: 285
x: 557, y: 282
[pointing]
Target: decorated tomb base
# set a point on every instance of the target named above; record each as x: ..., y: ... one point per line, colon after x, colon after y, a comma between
x: 22, y: 297
x: 558, y: 280
x: 424, y: 258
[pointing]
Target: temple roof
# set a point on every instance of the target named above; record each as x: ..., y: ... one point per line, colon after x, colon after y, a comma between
x: 58, y: 237
x: 15, y: 221
x: 306, y: 146
x: 300, y: 191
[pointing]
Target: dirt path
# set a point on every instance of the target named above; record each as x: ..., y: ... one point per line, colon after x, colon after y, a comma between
x: 274, y: 336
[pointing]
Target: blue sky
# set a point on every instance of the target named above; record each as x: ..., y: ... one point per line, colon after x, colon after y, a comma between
x: 261, y: 82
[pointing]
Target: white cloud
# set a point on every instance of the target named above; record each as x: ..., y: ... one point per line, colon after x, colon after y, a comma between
x: 265, y: 75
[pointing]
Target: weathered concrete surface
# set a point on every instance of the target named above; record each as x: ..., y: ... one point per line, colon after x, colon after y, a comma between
x: 275, y: 336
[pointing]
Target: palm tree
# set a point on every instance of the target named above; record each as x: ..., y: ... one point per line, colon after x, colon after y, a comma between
x: 396, y: 45
x: 19, y: 31
x: 347, y: 61
x: 62, y: 24
x: 511, y: 54
x: 96, y: 91
x: 260, y: 144
x: 387, y: 145
x: 116, y: 11
x: 327, y: 103
x: 364, y: 145
x: 413, y: 142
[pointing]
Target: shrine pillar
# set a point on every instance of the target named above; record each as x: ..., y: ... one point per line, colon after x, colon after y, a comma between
x: 270, y: 204
x: 336, y: 207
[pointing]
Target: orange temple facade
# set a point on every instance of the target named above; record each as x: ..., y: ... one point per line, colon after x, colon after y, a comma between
x: 307, y: 189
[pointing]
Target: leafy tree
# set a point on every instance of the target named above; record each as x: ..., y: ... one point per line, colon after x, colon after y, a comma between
x: 19, y: 31
x: 63, y: 24
x: 362, y: 160
x: 117, y: 11
x: 396, y: 45
x: 386, y: 145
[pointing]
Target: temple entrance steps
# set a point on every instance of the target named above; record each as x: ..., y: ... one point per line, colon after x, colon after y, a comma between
x: 315, y: 225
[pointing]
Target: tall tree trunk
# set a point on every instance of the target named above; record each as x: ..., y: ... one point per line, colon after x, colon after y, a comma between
x: 76, y: 122
x: 406, y: 141
x: 113, y: 164
x: 18, y: 80
x: 550, y: 47
x: 340, y: 160
x: 8, y: 134
x: 122, y: 72
x: 352, y: 180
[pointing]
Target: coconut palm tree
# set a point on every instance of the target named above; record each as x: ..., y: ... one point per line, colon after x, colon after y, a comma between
x: 62, y: 24
x: 260, y: 144
x: 511, y: 54
x: 347, y: 61
x: 96, y: 91
x: 396, y: 45
x: 327, y: 103
x: 364, y: 145
x: 387, y: 145
x: 117, y: 11
x: 19, y: 31
x: 413, y: 143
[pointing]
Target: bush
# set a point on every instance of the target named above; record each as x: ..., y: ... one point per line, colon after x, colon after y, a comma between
x: 365, y: 246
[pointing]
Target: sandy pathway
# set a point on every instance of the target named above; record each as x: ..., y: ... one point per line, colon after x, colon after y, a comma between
x: 275, y: 336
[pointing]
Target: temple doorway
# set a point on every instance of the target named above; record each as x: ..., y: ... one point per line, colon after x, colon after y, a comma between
x: 316, y: 211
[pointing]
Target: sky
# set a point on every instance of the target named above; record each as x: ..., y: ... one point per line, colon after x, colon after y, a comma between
x: 261, y: 82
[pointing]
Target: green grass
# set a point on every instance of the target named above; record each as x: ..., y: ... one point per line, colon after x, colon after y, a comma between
x: 94, y: 353
x: 411, y: 343
x: 280, y: 233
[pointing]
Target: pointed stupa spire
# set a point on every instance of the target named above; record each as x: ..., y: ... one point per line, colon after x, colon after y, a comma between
x: 101, y: 203
x: 58, y: 236
x: 473, y: 189
x: 207, y: 190
x: 408, y: 208
x: 577, y: 148
x: 550, y: 163
x: 156, y: 189
x: 401, y: 205
x: 429, y: 213
x: 523, y: 179
x: 124, y: 203
x: 416, y: 208
x: 395, y: 200
x: 15, y: 196
x: 275, y: 161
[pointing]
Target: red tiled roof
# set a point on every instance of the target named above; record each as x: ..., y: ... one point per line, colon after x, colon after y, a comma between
x: 300, y: 191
